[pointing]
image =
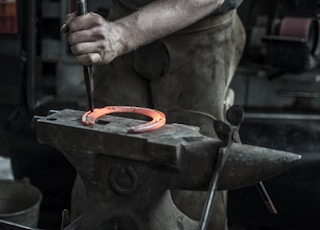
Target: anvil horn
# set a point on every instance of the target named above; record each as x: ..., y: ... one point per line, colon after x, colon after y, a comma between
x: 247, y: 165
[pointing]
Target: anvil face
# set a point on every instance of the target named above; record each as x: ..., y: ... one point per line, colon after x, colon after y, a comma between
x: 129, y: 175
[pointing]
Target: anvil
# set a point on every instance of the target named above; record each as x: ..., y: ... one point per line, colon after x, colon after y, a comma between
x: 128, y: 177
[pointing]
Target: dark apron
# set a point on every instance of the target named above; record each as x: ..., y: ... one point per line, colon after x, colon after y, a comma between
x: 187, y: 76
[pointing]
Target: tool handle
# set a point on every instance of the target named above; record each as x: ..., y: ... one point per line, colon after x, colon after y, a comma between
x: 81, y: 7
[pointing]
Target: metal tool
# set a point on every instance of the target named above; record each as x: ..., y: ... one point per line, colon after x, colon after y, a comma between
x: 7, y: 225
x: 87, y: 70
x: 235, y: 116
x: 229, y: 134
x: 65, y: 220
x: 88, y: 78
x: 226, y: 132
x: 128, y: 184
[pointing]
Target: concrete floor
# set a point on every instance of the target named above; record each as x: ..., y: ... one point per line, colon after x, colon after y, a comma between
x: 5, y: 169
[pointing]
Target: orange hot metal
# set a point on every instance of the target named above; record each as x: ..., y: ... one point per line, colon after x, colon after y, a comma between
x: 158, y: 118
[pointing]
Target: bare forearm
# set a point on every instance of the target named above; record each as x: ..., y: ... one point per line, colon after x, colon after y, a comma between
x: 159, y: 19
x: 94, y: 40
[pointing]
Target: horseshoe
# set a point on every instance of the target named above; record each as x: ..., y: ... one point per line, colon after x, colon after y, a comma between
x: 158, y: 118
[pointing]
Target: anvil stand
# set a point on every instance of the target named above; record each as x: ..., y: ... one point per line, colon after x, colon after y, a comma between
x: 128, y: 176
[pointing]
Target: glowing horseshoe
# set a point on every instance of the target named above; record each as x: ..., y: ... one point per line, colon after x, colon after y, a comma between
x: 158, y: 118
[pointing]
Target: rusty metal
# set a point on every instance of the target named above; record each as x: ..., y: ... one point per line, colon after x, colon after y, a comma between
x: 173, y: 157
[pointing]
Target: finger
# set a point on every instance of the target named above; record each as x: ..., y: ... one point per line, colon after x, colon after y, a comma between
x: 65, y: 27
x: 81, y: 36
x: 88, y: 47
x: 89, y: 59
x: 70, y: 17
x: 93, y: 34
x: 85, y: 22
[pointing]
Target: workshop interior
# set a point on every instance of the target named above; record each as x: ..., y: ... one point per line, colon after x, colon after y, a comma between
x: 266, y: 155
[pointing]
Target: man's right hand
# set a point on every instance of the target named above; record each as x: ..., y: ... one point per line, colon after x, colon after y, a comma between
x: 93, y: 40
